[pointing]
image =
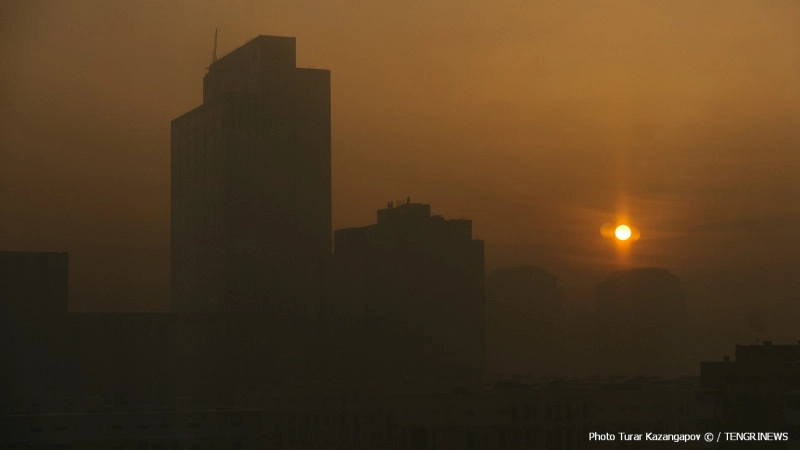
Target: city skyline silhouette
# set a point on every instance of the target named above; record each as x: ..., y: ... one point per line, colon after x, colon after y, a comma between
x: 695, y: 144
x: 597, y: 209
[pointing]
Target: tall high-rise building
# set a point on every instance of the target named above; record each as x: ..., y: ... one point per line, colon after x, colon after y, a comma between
x: 251, y: 185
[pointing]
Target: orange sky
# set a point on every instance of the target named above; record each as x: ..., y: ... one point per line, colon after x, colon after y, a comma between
x: 539, y: 120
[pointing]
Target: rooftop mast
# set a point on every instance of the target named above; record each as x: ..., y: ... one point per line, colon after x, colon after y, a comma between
x: 214, y: 53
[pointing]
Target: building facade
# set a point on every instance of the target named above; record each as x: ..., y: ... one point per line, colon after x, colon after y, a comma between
x: 251, y: 185
x: 759, y: 389
x: 34, y: 293
x: 409, y: 292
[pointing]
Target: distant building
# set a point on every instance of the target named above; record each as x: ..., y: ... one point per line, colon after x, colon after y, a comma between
x: 34, y: 282
x: 641, y: 316
x: 524, y: 310
x: 251, y: 186
x: 408, y: 292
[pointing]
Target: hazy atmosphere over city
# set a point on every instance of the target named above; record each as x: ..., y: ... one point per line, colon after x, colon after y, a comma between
x: 538, y: 120
x: 417, y: 225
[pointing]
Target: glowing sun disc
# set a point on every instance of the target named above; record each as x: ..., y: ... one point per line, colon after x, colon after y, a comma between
x: 623, y: 232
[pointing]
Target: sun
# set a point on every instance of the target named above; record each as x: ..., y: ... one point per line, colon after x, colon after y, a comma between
x: 620, y: 233
x: 623, y: 232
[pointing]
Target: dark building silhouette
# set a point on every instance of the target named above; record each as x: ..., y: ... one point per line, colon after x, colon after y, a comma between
x: 641, y: 317
x: 525, y: 320
x: 758, y: 390
x: 34, y: 295
x: 523, y: 414
x: 157, y: 380
x: 251, y: 185
x: 408, y: 293
x: 48, y: 353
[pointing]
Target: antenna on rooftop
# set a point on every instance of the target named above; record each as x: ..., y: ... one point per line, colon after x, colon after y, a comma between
x: 214, y: 53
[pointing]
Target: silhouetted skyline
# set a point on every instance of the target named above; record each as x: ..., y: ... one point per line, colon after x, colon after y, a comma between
x: 377, y: 342
x: 536, y: 120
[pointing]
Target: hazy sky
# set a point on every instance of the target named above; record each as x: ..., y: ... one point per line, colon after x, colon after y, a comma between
x: 539, y: 120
